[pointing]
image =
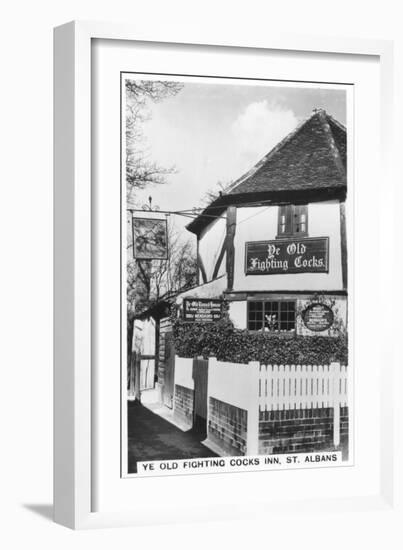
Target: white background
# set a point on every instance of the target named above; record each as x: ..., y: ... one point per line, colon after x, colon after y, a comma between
x: 26, y: 275
x: 110, y: 492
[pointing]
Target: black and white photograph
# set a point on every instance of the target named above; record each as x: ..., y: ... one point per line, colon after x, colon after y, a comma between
x: 234, y: 275
x: 204, y: 322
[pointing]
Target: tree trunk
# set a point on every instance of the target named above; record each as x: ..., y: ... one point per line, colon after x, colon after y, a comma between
x: 137, y: 365
x: 130, y: 362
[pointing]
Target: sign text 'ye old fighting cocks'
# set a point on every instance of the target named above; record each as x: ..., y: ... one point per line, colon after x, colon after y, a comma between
x: 309, y: 255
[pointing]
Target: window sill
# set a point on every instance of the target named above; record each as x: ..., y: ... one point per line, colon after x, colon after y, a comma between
x: 292, y: 236
x: 284, y: 334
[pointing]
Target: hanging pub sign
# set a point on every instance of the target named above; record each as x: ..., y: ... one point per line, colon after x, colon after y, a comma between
x: 309, y: 255
x: 150, y: 239
x: 318, y: 317
x: 202, y: 310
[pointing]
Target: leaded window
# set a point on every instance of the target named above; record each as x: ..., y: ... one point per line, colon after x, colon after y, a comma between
x: 271, y: 316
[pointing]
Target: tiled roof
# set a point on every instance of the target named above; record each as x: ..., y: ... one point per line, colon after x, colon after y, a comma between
x: 313, y: 156
x: 308, y: 163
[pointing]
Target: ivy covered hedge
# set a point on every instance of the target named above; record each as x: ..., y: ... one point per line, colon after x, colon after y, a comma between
x: 222, y: 340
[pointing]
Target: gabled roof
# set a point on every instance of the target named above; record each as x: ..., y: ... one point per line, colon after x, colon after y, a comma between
x: 310, y: 159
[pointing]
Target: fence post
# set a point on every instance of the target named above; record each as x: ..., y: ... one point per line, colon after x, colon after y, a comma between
x: 131, y: 390
x: 335, y: 374
x: 173, y: 392
x: 252, y: 435
x: 212, y: 365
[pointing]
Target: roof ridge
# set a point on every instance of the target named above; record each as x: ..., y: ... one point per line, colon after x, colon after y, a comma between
x: 323, y: 117
x: 274, y: 150
x: 336, y: 122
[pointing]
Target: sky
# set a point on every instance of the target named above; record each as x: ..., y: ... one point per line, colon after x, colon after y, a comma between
x: 215, y: 132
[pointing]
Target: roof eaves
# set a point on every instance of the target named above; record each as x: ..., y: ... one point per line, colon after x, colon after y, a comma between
x: 213, y: 211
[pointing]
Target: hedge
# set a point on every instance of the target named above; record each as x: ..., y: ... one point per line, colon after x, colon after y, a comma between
x: 222, y: 340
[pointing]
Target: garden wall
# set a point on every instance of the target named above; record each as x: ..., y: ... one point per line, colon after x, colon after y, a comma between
x: 267, y: 409
x: 183, y: 391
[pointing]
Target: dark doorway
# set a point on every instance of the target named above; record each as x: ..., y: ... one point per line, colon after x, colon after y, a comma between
x: 200, y: 377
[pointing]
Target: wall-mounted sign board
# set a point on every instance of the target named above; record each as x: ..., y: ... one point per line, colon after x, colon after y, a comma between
x: 282, y: 256
x: 318, y: 317
x: 202, y: 310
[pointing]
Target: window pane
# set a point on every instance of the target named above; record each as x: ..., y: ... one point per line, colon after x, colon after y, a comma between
x: 271, y: 316
x: 285, y: 220
x: 271, y: 307
x: 300, y: 218
x: 287, y: 316
x: 255, y: 315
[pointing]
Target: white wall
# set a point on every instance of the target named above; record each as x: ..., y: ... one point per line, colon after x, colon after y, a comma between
x: 144, y: 336
x: 238, y: 313
x: 260, y: 224
x: 210, y: 245
x: 234, y: 383
x: 238, y: 385
x: 184, y: 372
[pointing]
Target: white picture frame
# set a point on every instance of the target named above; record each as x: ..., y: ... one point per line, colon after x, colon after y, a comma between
x: 74, y: 386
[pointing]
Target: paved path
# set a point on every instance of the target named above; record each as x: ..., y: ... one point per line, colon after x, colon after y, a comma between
x: 154, y: 438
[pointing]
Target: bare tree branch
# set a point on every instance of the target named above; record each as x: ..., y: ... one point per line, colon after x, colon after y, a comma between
x: 140, y: 170
x: 214, y: 192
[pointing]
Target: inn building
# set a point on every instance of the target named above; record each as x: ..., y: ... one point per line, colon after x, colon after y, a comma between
x: 273, y: 245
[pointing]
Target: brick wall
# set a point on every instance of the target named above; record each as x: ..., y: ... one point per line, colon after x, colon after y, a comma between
x: 344, y: 422
x: 301, y: 431
x: 227, y: 427
x: 184, y: 403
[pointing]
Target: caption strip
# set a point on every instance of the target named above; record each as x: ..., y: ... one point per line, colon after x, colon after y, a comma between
x: 239, y: 464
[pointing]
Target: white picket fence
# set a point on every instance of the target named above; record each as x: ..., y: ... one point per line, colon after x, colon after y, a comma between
x: 285, y: 387
x: 302, y: 386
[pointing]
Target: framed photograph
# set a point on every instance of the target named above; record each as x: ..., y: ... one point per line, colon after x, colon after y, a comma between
x: 220, y: 208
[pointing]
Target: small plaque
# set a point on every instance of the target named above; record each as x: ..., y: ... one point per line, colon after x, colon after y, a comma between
x: 318, y: 317
x: 201, y: 310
